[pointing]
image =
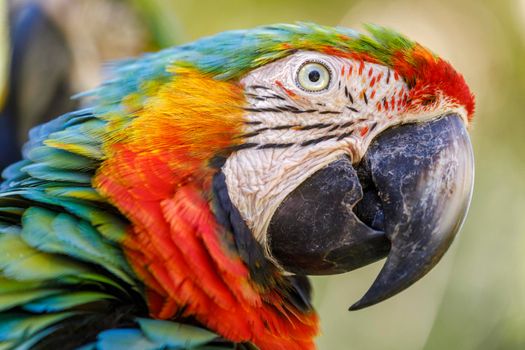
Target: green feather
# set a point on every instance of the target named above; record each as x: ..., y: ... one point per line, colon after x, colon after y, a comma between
x: 7, y: 345
x: 8, y: 300
x: 95, y: 279
x: 9, y: 285
x: 21, y: 262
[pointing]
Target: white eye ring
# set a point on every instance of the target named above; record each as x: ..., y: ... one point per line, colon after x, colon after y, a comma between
x: 313, y: 76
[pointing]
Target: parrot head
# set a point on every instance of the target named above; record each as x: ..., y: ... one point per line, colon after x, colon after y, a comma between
x: 246, y: 161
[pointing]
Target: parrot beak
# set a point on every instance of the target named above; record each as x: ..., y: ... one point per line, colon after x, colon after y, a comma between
x: 406, y: 200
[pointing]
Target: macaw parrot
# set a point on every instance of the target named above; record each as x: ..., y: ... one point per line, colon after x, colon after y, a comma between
x: 186, y: 206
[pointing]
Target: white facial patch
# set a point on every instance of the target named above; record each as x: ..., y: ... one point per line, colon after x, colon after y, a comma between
x: 292, y: 131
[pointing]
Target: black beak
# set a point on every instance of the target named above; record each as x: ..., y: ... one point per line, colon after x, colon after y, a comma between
x: 406, y: 200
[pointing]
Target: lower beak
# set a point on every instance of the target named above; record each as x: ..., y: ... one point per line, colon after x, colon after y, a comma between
x: 405, y: 200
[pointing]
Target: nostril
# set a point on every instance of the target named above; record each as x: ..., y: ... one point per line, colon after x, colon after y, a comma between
x: 369, y: 209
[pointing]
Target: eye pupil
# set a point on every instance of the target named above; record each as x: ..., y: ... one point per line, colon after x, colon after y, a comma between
x: 314, y: 76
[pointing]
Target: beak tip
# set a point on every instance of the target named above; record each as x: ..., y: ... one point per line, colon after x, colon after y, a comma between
x: 357, y: 306
x: 373, y: 296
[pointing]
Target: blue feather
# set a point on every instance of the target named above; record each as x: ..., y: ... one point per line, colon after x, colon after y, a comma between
x: 125, y: 339
x: 14, y: 172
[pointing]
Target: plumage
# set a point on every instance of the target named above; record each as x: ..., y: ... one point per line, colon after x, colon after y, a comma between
x: 116, y: 221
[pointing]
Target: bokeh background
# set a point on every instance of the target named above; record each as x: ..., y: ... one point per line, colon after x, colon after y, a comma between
x: 475, y: 298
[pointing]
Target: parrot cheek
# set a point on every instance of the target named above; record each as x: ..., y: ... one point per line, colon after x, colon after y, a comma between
x: 406, y: 199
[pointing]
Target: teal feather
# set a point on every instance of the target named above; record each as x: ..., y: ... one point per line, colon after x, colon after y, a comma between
x: 29, y: 343
x: 110, y: 226
x: 81, y: 235
x: 74, y: 136
x: 26, y: 343
x: 20, y: 326
x: 41, y: 132
x: 156, y: 335
x: 33, y: 193
x: 68, y: 129
x: 63, y: 302
x: 175, y: 335
x: 44, y: 172
x: 63, y: 234
x: 59, y: 159
x: 14, y: 172
x: 125, y: 339
x: 37, y: 231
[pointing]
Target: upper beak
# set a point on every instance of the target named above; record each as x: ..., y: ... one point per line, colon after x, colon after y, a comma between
x: 407, y: 199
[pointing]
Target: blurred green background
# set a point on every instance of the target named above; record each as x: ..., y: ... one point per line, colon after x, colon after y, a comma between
x: 475, y: 298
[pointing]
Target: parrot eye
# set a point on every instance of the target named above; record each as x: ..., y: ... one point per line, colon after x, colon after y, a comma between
x: 313, y: 77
